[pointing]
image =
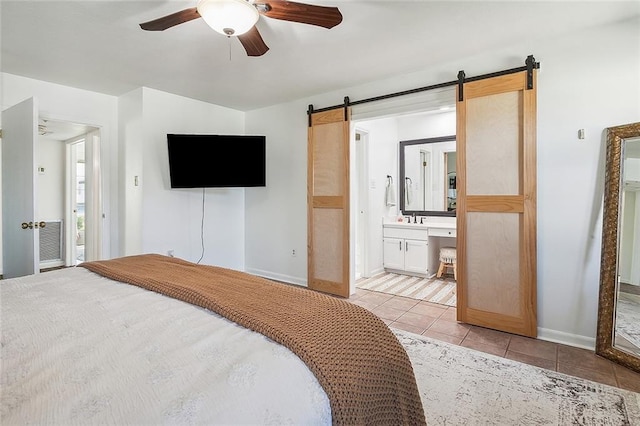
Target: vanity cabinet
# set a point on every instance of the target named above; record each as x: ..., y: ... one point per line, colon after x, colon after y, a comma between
x: 406, y: 250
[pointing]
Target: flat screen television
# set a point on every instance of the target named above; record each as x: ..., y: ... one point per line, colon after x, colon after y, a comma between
x: 216, y: 161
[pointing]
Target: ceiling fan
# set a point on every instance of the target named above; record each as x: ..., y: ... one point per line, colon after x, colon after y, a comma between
x: 238, y: 18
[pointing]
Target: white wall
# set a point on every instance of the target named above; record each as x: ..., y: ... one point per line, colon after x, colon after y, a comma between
x: 159, y: 219
x: 275, y: 219
x: 50, y: 155
x: 431, y: 126
x: 130, y: 160
x: 588, y: 80
x: 575, y: 95
x: 382, y: 161
x: 64, y: 103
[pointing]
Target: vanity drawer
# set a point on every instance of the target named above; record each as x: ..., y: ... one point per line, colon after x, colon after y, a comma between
x: 442, y: 232
x: 409, y: 234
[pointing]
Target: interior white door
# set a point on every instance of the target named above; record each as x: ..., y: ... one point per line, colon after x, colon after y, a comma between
x: 75, y: 238
x: 361, y: 195
x: 20, y: 232
x: 93, y: 197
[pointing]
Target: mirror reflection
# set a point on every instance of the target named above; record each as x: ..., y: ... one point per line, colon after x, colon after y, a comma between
x: 428, y: 176
x: 627, y: 318
x: 618, y: 332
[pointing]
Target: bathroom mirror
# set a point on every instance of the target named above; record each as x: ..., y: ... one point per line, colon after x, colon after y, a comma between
x: 427, y: 184
x: 618, y: 333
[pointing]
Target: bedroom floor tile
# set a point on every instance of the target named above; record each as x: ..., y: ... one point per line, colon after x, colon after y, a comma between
x: 449, y: 314
x: 450, y: 328
x: 408, y: 327
x: 439, y: 322
x: 416, y: 320
x: 443, y: 337
x: 377, y: 298
x: 627, y: 379
x: 534, y: 347
x: 403, y: 303
x: 484, y: 347
x: 388, y: 313
x: 429, y: 309
x: 601, y: 376
x: 532, y: 360
x: 583, y: 358
x: 486, y: 336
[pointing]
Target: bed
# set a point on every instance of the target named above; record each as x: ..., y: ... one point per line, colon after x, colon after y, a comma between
x: 151, y: 339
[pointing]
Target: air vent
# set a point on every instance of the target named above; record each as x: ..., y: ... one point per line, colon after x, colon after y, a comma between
x: 51, y: 248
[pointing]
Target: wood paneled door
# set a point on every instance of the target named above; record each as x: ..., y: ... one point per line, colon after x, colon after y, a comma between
x: 496, y: 211
x: 328, y: 202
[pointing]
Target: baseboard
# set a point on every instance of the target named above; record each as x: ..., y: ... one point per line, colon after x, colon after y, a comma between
x: 278, y: 277
x: 567, y: 339
x: 375, y: 272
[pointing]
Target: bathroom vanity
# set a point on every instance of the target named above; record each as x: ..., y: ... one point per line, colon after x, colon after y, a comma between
x: 412, y: 248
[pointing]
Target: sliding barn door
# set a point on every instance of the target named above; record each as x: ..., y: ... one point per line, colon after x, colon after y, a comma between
x: 328, y: 202
x: 496, y: 215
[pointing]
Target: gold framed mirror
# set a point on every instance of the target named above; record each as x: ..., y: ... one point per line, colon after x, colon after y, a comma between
x: 618, y: 339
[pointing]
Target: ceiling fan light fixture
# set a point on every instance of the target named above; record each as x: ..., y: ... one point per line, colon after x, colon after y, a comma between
x: 228, y: 17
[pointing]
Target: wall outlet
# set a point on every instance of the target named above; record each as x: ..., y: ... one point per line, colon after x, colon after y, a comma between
x: 293, y: 253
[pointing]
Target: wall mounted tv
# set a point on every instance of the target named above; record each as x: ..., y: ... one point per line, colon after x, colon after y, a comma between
x: 216, y: 161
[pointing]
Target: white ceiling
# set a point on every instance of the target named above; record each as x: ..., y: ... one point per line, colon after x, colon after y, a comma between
x: 98, y: 45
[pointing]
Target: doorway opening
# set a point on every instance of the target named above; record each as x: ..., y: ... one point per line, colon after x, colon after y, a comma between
x: 77, y: 201
x: 61, y: 190
x: 380, y: 130
x: 34, y: 170
x: 83, y: 194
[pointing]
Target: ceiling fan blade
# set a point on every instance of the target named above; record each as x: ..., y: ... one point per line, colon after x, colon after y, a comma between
x: 322, y: 16
x: 253, y: 42
x: 172, y: 20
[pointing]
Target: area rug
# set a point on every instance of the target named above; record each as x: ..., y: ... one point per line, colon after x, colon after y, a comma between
x: 628, y: 319
x: 460, y: 386
x: 434, y: 290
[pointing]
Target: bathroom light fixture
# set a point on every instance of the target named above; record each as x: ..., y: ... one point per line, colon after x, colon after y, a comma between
x: 228, y: 17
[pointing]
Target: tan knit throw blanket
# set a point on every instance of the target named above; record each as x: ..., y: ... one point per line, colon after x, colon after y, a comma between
x: 360, y: 364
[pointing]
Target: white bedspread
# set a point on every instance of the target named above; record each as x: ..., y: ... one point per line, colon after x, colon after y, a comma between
x: 77, y: 348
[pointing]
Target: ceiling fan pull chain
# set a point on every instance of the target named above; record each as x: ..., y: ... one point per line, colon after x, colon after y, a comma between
x: 229, y: 38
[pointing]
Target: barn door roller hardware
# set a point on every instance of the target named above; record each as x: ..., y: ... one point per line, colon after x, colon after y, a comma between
x: 530, y: 65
